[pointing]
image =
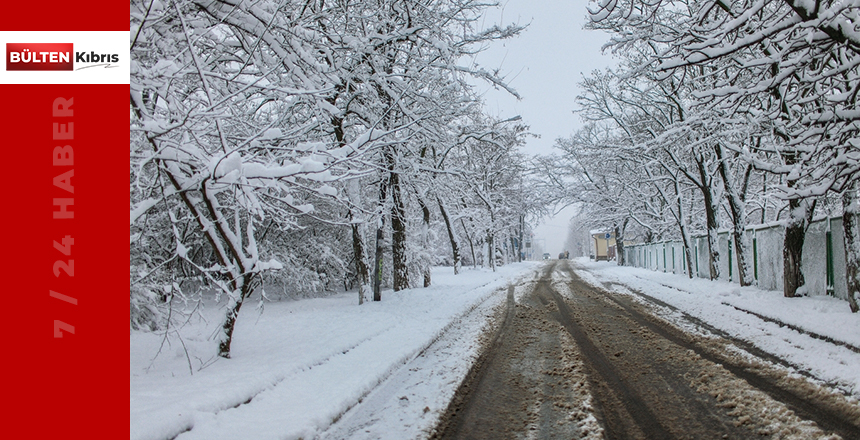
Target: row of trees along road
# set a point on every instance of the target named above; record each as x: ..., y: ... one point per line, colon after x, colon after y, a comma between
x: 721, y: 113
x: 302, y: 144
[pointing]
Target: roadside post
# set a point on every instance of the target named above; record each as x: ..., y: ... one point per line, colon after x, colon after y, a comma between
x: 607, y: 245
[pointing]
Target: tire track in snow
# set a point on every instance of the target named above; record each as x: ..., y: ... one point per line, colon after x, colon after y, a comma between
x: 392, y: 392
x: 805, y: 399
x: 477, y: 372
x: 237, y: 403
x: 528, y: 383
x: 796, y: 328
x: 809, y: 333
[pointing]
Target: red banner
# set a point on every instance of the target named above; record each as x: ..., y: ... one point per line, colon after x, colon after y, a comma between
x: 65, y: 234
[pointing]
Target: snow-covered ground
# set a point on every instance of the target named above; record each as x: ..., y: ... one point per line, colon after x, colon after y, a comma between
x: 299, y: 366
x: 818, y: 335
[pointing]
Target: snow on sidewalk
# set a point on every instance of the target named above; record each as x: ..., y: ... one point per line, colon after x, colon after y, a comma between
x: 299, y: 365
x: 733, y: 309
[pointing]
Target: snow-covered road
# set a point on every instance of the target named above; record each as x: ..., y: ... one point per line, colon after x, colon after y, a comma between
x: 327, y: 368
x: 644, y: 377
x: 796, y: 330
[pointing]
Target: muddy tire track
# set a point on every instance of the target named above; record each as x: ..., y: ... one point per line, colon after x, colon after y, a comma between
x: 573, y: 361
x: 641, y: 381
x: 526, y: 384
x: 828, y: 409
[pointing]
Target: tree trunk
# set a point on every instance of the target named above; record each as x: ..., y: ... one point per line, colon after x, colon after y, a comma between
x: 455, y: 247
x: 711, y: 219
x: 739, y: 218
x: 491, y: 250
x: 685, y: 230
x: 851, y: 238
x: 227, y: 328
x: 743, y: 248
x: 377, y: 261
x: 360, y: 266
x: 521, y: 251
x: 380, y: 245
x: 619, y: 242
x: 425, y: 238
x: 388, y: 155
x: 240, y: 293
x: 688, y: 252
x: 746, y: 274
x: 362, y: 273
x: 471, y: 244
x: 398, y: 236
x: 362, y: 276
x: 795, y: 234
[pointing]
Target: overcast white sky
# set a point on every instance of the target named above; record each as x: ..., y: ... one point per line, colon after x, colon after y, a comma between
x: 544, y: 65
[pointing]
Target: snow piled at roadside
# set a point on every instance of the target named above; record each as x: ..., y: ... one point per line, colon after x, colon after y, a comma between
x: 300, y: 365
x: 717, y: 303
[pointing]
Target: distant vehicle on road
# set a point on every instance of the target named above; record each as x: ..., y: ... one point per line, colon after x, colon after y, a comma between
x: 546, y: 255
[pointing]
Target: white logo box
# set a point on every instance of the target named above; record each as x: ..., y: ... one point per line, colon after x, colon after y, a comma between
x: 99, y: 42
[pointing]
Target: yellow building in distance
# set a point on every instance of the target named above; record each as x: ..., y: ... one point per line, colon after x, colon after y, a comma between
x: 602, y: 248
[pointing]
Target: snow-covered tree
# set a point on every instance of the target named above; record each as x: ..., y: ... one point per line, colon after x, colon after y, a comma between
x: 260, y: 125
x: 228, y: 139
x: 786, y: 66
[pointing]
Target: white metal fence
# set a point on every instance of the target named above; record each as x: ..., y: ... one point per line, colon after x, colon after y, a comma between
x: 823, y: 260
